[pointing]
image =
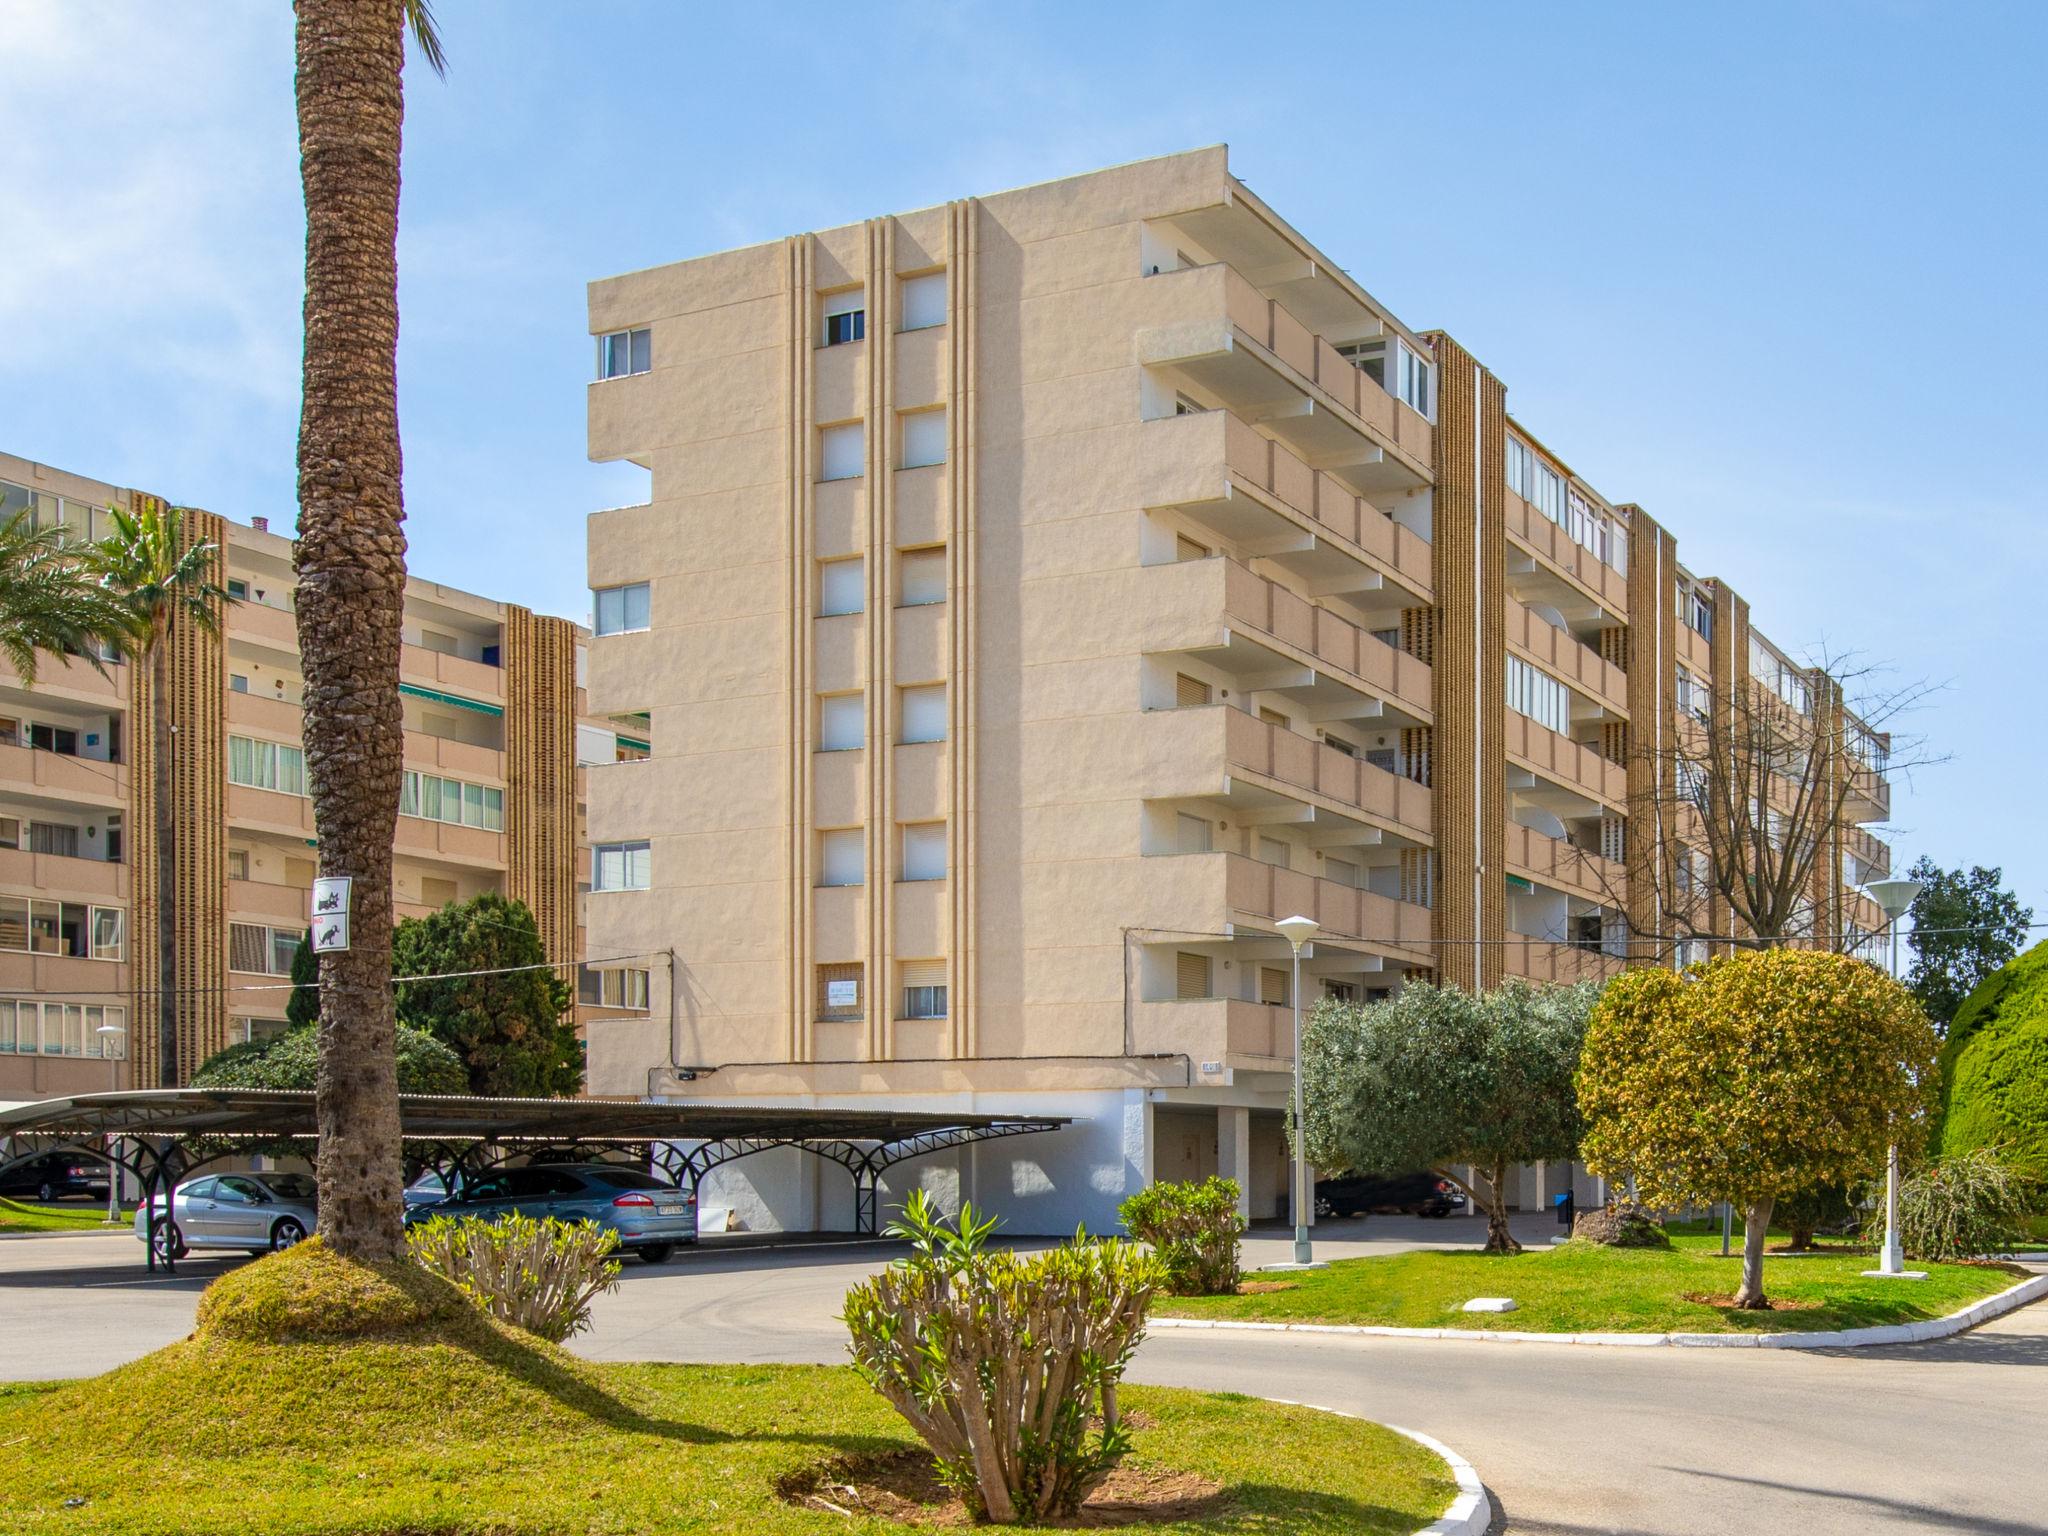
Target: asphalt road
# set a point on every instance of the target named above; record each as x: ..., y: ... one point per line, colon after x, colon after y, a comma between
x: 1936, y: 1437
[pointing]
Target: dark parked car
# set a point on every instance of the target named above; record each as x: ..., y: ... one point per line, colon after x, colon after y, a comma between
x: 650, y: 1215
x: 55, y: 1175
x: 1407, y: 1194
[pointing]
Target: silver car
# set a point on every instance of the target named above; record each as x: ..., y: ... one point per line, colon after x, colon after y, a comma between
x: 251, y: 1212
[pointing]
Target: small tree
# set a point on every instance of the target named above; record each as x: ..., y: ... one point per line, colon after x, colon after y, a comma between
x: 1436, y: 1078
x: 1194, y: 1228
x: 303, y: 1008
x: 512, y: 1029
x: 1751, y: 1077
x: 1966, y: 924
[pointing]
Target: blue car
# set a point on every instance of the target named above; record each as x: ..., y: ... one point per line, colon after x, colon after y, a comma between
x: 650, y: 1215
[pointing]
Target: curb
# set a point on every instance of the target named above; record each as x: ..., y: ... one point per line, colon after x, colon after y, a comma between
x: 2008, y: 1300
x: 1471, y: 1512
x: 125, y: 1229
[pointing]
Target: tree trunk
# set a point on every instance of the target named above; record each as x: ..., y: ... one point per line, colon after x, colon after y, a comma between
x: 1802, y: 1240
x: 1756, y: 1224
x: 1499, y: 1239
x: 167, y: 1074
x: 351, y: 569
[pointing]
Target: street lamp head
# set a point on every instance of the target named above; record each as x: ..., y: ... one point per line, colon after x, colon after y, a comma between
x: 1896, y: 897
x: 1299, y: 930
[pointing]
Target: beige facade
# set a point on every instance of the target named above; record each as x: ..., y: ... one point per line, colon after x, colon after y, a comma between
x: 492, y: 738
x: 1037, y: 598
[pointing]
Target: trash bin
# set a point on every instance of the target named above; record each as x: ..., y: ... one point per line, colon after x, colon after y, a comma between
x: 1567, y: 1208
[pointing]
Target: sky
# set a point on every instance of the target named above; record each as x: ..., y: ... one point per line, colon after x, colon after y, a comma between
x: 1772, y: 271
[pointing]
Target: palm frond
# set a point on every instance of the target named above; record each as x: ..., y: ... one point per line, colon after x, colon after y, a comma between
x: 426, y: 35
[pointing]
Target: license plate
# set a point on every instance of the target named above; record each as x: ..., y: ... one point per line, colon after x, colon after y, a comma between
x: 670, y: 1210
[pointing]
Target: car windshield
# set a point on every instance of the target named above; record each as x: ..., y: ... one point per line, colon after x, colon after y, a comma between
x: 291, y: 1186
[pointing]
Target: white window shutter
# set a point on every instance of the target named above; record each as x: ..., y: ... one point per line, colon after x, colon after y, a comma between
x: 842, y: 586
x: 924, y: 713
x: 841, y: 454
x: 924, y: 301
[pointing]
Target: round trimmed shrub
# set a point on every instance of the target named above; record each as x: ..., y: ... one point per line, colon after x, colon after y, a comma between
x: 308, y: 1293
x: 1994, y: 1067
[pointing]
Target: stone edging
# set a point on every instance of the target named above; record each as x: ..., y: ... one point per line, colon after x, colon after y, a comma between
x: 1984, y: 1311
x: 1471, y: 1512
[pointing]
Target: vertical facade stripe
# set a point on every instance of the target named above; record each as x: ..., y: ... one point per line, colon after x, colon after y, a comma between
x: 801, y: 437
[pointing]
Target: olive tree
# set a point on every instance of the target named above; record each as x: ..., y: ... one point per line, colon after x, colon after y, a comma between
x: 1752, y: 1077
x: 1440, y: 1078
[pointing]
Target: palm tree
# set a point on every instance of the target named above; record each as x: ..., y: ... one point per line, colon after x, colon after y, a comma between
x: 351, y: 570
x: 161, y: 575
x: 51, y: 599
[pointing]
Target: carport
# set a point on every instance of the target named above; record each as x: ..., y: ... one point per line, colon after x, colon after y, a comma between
x: 163, y: 1136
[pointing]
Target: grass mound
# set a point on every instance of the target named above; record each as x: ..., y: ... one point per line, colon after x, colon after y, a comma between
x: 1582, y: 1287
x: 308, y: 1292
x: 466, y: 1428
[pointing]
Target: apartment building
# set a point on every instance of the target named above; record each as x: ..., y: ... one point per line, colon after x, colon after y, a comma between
x: 1040, y: 596
x: 492, y: 802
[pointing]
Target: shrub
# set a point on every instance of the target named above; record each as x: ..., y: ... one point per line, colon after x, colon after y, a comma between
x: 537, y: 1275
x: 1002, y: 1361
x: 291, y: 1060
x: 1621, y: 1224
x: 1194, y: 1229
x: 1816, y: 1208
x: 1994, y: 1066
x: 1963, y: 1206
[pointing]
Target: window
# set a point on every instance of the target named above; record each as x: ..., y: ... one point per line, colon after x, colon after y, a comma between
x: 109, y: 925
x: 53, y: 837
x: 1273, y: 989
x: 621, y: 866
x: 841, y: 452
x: 1276, y: 853
x: 1185, y: 548
x: 1192, y: 833
x: 924, y: 713
x: 1693, y: 696
x: 924, y: 438
x: 616, y: 987
x: 1190, y: 975
x: 1549, y: 497
x: 841, y: 727
x: 1521, y: 469
x: 842, y: 856
x: 60, y: 1029
x: 624, y: 352
x: 59, y: 739
x: 1189, y: 692
x: 262, y: 950
x: 238, y: 589
x: 846, y: 317
x: 838, y: 992
x: 1343, y: 871
x: 921, y: 577
x: 10, y: 831
x: 1539, y: 696
x: 1697, y: 612
x: 237, y: 683
x: 1345, y: 992
x: 842, y: 586
x: 620, y: 610
x: 924, y: 989
x: 433, y: 798
x: 266, y: 765
x: 924, y: 850
x: 924, y: 301
x: 440, y: 644
x: 1412, y: 384
x: 1777, y: 674
x: 1368, y: 357
x: 1274, y: 717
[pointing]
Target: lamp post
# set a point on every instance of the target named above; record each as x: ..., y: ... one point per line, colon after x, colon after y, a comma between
x: 1896, y: 897
x: 111, y: 1036
x: 1298, y: 931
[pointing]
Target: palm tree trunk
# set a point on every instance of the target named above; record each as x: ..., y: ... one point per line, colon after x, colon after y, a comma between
x: 167, y: 1074
x: 351, y: 568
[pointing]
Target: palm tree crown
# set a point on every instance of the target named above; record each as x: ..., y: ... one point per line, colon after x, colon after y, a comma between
x: 149, y: 567
x: 51, y: 598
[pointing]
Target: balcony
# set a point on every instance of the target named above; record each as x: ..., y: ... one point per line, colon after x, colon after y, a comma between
x: 1216, y: 1029
x: 263, y: 901
x: 1544, y: 752
x: 1223, y: 753
x: 1558, y: 864
x: 452, y: 674
x: 261, y: 624
x: 1873, y: 852
x: 1224, y: 337
x: 1562, y: 556
x: 1543, y: 960
x: 1274, y: 640
x: 1260, y: 497
x: 1267, y: 891
x: 54, y: 776
x: 1870, y: 795
x: 65, y: 879
x: 1563, y: 655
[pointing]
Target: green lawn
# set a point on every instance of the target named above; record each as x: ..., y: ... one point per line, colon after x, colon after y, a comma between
x: 454, y: 1425
x: 18, y: 1217
x: 1581, y: 1288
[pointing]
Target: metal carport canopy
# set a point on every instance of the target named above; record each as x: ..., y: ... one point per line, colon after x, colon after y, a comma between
x: 219, y: 1121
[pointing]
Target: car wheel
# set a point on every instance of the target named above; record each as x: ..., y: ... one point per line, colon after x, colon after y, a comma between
x: 170, y: 1242
x: 1324, y: 1208
x: 289, y: 1232
x: 46, y: 1192
x: 656, y: 1253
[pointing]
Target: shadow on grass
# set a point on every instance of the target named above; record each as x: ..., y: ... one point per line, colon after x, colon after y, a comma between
x: 534, y: 1367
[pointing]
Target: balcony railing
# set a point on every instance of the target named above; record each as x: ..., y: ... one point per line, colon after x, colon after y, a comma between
x: 1265, y: 890
x: 1287, y: 758
x: 1560, y: 865
x: 1560, y: 550
x: 1541, y: 959
x: 1559, y: 757
x: 1565, y: 656
x: 1328, y: 637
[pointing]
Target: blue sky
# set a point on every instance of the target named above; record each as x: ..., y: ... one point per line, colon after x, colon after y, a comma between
x: 1772, y: 271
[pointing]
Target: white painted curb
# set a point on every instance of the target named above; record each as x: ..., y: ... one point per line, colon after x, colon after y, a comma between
x: 2008, y: 1300
x: 1471, y: 1512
